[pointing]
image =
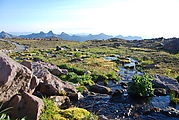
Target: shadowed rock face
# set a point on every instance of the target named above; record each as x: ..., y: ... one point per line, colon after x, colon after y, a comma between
x: 25, y: 105
x: 14, y: 77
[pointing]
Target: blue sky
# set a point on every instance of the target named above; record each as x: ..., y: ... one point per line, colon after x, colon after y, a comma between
x: 146, y: 18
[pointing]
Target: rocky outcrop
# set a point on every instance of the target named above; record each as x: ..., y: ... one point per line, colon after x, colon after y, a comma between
x: 14, y: 77
x: 166, y: 82
x: 51, y: 85
x: 25, y: 105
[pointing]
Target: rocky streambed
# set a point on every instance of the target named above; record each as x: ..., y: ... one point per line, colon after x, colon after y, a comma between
x: 119, y: 105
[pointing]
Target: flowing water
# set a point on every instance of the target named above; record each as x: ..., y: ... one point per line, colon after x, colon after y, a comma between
x: 122, y: 106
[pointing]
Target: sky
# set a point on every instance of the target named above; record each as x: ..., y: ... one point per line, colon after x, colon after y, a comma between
x: 145, y: 18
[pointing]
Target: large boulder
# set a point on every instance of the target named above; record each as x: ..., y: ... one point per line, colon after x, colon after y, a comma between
x: 51, y: 85
x: 14, y: 77
x: 25, y: 105
x: 161, y: 81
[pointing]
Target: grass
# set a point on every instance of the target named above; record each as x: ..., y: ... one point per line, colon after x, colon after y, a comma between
x: 6, y: 45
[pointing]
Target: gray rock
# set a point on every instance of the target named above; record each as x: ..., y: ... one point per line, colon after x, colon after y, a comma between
x: 166, y: 82
x: 102, y: 117
x: 58, y: 71
x: 25, y: 105
x: 14, y: 77
x: 87, y: 72
x: 118, y: 92
x: 51, y: 85
x: 27, y: 64
x: 34, y: 83
x: 62, y: 102
x: 59, y: 48
x: 100, y: 89
x: 76, y: 60
x: 160, y: 91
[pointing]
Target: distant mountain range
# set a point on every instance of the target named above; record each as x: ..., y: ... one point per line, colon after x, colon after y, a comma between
x: 6, y: 35
x: 66, y: 36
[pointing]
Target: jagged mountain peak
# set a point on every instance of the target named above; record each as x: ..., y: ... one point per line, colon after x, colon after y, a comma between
x: 5, y: 35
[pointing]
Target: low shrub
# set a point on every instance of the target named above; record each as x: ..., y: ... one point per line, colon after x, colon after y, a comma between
x: 141, y: 86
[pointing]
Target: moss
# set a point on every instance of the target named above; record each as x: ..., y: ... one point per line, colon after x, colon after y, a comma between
x: 75, y: 113
x: 52, y: 112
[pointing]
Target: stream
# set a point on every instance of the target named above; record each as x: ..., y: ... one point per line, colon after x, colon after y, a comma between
x: 124, y: 107
x: 19, y: 47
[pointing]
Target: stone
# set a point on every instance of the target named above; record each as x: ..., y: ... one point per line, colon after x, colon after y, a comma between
x: 124, y: 85
x: 75, y: 49
x: 27, y: 64
x: 102, y: 117
x: 75, y: 96
x: 59, y: 48
x: 161, y: 81
x: 25, y: 105
x: 76, y: 60
x: 51, y: 85
x: 87, y: 72
x: 14, y: 77
x: 151, y: 66
x: 64, y: 71
x: 118, y: 92
x: 34, y: 83
x: 58, y: 71
x: 100, y: 89
x: 160, y: 91
x: 63, y: 102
